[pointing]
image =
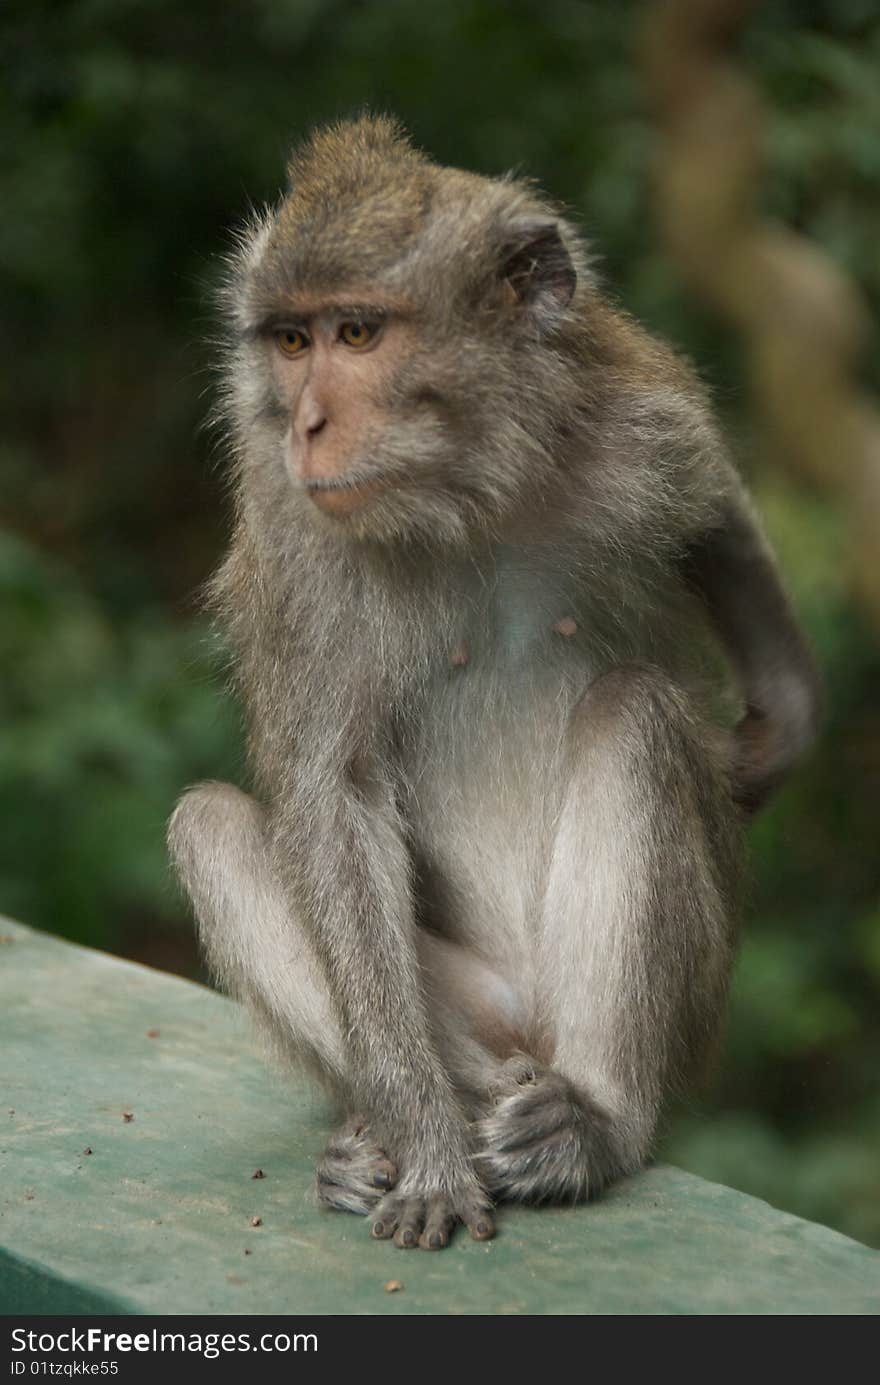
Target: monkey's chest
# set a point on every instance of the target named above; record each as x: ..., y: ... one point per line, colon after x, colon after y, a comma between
x: 486, y: 765
x: 493, y: 721
x: 517, y: 653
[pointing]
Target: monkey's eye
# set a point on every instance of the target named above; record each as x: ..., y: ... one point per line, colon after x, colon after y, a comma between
x: 291, y: 341
x: 357, y: 334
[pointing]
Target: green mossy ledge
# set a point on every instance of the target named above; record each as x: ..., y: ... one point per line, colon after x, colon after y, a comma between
x: 162, y: 1081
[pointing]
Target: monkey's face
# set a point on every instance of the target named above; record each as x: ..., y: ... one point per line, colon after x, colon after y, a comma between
x: 393, y: 419
x: 388, y: 426
x: 333, y: 365
x: 402, y: 329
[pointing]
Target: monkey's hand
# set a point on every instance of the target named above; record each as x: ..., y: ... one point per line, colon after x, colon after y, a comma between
x: 415, y: 1216
x: 762, y: 755
x: 354, y: 1172
x: 544, y: 1140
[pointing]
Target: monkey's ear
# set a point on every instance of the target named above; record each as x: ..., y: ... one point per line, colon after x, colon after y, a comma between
x: 537, y: 268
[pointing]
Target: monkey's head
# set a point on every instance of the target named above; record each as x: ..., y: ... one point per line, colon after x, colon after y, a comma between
x: 405, y: 341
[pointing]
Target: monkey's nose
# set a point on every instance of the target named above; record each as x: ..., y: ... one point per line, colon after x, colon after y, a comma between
x: 309, y: 416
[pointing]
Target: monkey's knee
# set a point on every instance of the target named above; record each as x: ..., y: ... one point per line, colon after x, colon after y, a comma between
x: 637, y: 700
x: 215, y: 831
x: 254, y: 946
x: 641, y: 741
x: 645, y: 724
x: 213, y: 817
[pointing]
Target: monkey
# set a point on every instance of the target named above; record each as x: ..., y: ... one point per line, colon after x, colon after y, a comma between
x: 488, y: 550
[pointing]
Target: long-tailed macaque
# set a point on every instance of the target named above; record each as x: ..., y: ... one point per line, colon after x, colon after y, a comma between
x: 486, y: 884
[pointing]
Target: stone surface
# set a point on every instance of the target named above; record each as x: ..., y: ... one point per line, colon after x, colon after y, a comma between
x: 157, y: 1219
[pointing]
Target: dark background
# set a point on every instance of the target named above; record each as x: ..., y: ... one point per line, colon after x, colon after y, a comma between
x: 135, y: 134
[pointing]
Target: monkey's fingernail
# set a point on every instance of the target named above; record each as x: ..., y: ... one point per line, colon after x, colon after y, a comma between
x: 381, y: 1179
x: 435, y: 1240
x: 483, y: 1230
x: 378, y: 1228
x: 407, y: 1238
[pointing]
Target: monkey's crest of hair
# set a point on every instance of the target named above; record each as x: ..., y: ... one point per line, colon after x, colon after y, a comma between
x: 352, y: 156
x: 359, y: 194
x: 363, y: 202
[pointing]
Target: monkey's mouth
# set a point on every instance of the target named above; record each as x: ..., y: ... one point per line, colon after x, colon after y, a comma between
x: 343, y: 495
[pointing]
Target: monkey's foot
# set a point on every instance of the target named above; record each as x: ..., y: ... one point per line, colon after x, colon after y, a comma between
x: 429, y: 1221
x: 543, y: 1140
x: 354, y: 1173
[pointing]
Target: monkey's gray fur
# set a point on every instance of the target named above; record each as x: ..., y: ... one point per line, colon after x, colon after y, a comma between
x: 487, y: 885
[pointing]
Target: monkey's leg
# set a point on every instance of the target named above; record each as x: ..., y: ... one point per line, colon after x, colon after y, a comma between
x: 261, y: 955
x: 473, y: 1015
x: 636, y: 946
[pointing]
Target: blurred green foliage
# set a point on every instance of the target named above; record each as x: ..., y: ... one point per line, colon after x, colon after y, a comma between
x: 135, y: 133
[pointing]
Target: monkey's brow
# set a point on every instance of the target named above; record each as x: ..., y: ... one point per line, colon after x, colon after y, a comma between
x: 305, y: 312
x: 359, y: 311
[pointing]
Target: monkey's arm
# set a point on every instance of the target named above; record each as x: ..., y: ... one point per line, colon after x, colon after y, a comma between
x: 343, y: 858
x: 731, y: 565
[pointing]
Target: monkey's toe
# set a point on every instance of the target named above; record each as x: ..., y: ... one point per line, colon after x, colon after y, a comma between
x: 429, y: 1221
x: 354, y: 1173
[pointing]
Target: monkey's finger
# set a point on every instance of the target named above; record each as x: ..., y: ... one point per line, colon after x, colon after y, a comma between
x: 384, y: 1174
x: 438, y: 1225
x: 343, y: 1197
x: 549, y: 1170
x: 411, y: 1222
x: 519, y: 1121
